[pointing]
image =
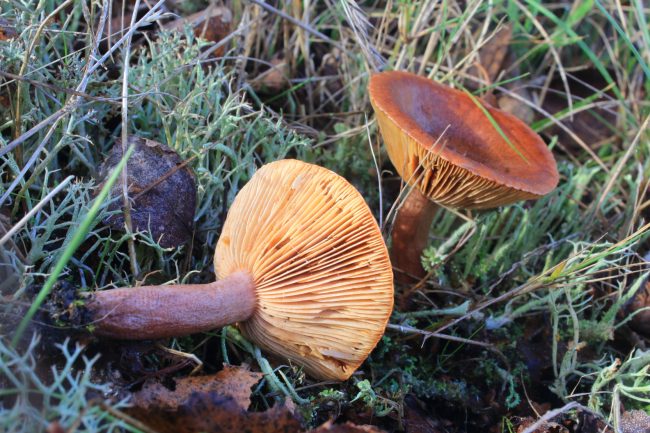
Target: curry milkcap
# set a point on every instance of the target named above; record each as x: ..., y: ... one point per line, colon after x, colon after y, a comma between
x: 453, y: 148
x: 322, y: 274
x: 302, y: 267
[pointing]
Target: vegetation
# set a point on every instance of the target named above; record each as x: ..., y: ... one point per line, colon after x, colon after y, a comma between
x: 523, y: 306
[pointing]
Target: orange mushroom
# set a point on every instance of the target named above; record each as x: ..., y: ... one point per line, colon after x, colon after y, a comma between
x: 452, y: 149
x: 302, y: 267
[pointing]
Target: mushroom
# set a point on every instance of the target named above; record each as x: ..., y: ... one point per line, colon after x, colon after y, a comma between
x: 302, y: 268
x: 451, y: 149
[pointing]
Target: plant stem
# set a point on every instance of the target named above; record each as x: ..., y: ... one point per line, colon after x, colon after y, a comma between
x: 410, y: 236
x: 151, y: 312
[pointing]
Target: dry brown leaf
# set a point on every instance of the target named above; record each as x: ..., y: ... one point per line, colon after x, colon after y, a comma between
x: 218, y: 403
x: 214, y: 413
x: 233, y: 382
x: 548, y: 427
x: 331, y: 67
x: 516, y: 107
x: 493, y: 53
x: 641, y: 321
x: 348, y: 427
x: 215, y: 403
x: 416, y: 417
x: 275, y: 78
x: 161, y: 188
x: 491, y: 57
x: 212, y: 24
x: 7, y: 30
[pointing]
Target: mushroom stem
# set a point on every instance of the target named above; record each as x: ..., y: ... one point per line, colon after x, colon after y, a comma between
x: 410, y: 236
x: 151, y: 312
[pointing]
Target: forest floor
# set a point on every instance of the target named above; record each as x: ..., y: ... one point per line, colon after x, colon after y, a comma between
x: 531, y: 317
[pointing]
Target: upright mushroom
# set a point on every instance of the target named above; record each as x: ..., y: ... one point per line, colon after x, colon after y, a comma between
x: 451, y: 148
x: 302, y: 267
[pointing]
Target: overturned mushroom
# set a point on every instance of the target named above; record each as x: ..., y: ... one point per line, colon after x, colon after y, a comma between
x: 443, y: 143
x: 303, y: 269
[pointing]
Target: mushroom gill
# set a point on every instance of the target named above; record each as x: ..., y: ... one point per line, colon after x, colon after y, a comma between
x: 320, y: 267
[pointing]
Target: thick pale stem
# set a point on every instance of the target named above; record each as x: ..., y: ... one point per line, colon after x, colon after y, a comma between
x: 410, y: 236
x: 151, y: 312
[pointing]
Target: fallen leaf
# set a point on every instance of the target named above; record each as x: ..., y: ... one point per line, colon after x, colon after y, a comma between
x: 54, y: 427
x: 275, y: 78
x: 416, y: 419
x: 161, y: 189
x: 490, y: 61
x: 233, y: 382
x: 492, y: 54
x: 331, y: 67
x: 348, y: 427
x: 515, y: 106
x: 214, y: 403
x: 212, y: 24
x: 547, y: 427
x: 214, y: 413
x: 7, y: 30
x: 641, y: 321
x: 219, y: 403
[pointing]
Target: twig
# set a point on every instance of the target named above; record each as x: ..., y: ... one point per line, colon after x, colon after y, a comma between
x: 429, y: 334
x: 458, y: 310
x: 56, y: 88
x: 40, y: 125
x: 405, y: 329
x: 128, y: 222
x: 126, y: 418
x: 555, y: 412
x: 615, y: 176
x: 378, y: 171
x: 35, y: 210
x: 164, y: 177
x: 524, y: 288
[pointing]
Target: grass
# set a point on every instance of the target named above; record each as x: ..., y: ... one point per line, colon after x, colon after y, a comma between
x: 76, y: 240
x: 69, y: 397
x: 557, y: 271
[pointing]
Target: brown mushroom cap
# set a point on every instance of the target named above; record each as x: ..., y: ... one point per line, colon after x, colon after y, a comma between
x: 471, y: 165
x: 322, y: 275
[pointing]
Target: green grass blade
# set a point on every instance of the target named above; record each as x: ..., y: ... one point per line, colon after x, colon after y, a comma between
x: 495, y: 125
x: 537, y: 7
x: 626, y: 38
x: 75, y: 242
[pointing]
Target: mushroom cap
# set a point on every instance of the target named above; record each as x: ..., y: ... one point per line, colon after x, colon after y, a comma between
x: 322, y: 275
x: 442, y: 142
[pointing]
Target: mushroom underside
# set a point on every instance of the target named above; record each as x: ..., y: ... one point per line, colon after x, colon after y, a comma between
x: 472, y: 155
x: 440, y: 180
x: 323, y: 278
